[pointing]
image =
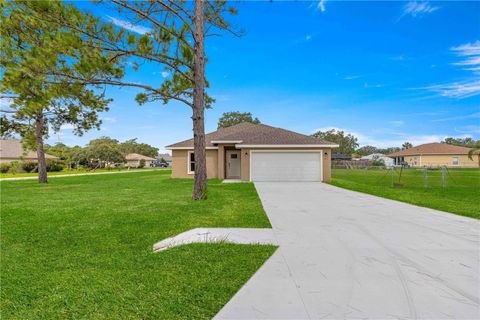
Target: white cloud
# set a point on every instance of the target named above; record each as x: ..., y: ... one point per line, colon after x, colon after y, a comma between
x: 321, y: 5
x: 470, y: 61
x: 129, y: 26
x: 308, y: 37
x: 475, y: 115
x: 67, y: 126
x: 165, y: 74
x: 468, y: 49
x: 418, y: 8
x: 5, y: 102
x: 471, y: 56
x: 457, y: 90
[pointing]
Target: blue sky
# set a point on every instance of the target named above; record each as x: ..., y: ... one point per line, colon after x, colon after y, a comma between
x: 388, y: 72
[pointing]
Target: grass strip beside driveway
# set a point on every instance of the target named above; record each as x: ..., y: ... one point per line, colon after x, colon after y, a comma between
x: 461, y: 195
x: 82, y: 247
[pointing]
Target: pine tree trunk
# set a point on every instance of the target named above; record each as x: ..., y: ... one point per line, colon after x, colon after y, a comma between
x: 42, y: 163
x: 200, y: 177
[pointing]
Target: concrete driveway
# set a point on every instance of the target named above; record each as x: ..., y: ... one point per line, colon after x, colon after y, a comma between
x: 345, y: 254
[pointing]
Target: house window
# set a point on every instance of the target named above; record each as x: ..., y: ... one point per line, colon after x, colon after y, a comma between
x: 233, y: 156
x: 455, y: 161
x: 191, y: 162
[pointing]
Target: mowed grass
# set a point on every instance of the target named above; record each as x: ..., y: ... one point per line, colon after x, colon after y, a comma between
x: 81, y: 247
x: 65, y: 172
x: 461, y: 195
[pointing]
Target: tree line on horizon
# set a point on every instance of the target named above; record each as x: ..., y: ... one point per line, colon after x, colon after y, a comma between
x: 97, y: 153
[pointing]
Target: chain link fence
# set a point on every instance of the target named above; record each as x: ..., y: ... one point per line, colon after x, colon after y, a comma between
x: 401, y: 177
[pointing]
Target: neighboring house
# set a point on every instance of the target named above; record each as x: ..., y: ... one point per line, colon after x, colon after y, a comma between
x: 379, y: 156
x: 12, y: 150
x: 435, y: 155
x: 166, y: 157
x: 133, y: 160
x: 256, y: 152
x: 340, y: 156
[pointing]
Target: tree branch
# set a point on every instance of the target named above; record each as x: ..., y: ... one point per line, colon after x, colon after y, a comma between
x: 152, y: 20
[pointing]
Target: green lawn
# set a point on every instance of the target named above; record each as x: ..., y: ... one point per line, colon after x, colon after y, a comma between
x: 81, y: 247
x: 461, y: 195
x: 34, y: 174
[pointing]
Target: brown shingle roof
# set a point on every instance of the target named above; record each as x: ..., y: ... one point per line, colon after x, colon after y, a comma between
x: 257, y: 134
x: 13, y: 149
x: 136, y: 156
x: 431, y: 148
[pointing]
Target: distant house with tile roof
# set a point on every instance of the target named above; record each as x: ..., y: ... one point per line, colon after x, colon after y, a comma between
x: 134, y: 159
x: 12, y: 150
x: 435, y: 155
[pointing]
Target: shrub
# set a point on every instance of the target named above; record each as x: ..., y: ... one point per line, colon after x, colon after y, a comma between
x: 14, y: 167
x: 29, y: 166
x: 142, y: 163
x: 54, y: 166
x: 4, y: 167
x: 377, y: 162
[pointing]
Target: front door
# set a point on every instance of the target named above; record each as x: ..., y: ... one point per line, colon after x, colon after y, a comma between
x: 233, y: 164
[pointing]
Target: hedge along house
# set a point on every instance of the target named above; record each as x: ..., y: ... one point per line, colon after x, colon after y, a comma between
x: 436, y: 155
x: 256, y: 152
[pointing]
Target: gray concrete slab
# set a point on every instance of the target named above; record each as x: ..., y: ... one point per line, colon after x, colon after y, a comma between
x: 350, y: 255
x: 209, y: 235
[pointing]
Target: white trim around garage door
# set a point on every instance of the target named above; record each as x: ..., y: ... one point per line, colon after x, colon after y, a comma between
x: 285, y: 151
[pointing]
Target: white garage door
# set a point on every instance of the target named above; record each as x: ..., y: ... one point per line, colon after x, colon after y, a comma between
x: 286, y: 166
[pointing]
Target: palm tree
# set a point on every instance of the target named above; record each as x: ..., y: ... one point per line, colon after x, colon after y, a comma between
x: 474, y: 151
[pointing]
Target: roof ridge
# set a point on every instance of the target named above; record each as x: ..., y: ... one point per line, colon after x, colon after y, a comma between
x: 256, y: 134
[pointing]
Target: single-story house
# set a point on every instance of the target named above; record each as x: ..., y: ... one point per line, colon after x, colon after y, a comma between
x: 133, y: 160
x: 379, y: 157
x: 435, y: 155
x: 12, y: 150
x: 256, y: 152
x: 341, y: 156
x: 166, y: 157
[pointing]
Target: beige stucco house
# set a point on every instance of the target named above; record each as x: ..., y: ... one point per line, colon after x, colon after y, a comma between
x: 436, y: 155
x: 133, y: 160
x: 12, y: 150
x: 256, y: 152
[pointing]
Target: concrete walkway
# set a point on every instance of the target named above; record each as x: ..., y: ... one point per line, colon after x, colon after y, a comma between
x: 78, y: 174
x: 350, y: 255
